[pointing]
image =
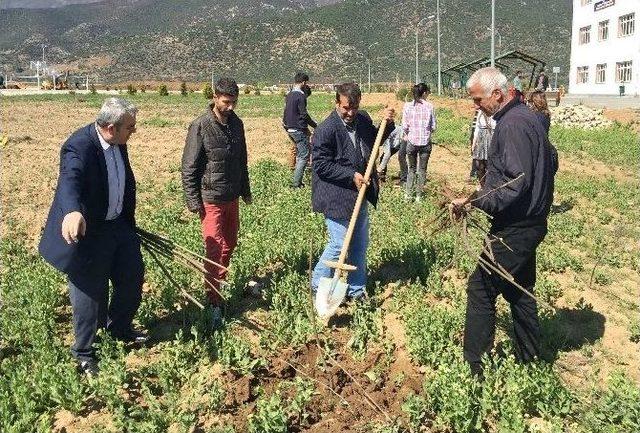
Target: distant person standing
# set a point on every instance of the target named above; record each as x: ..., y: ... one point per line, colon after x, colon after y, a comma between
x: 517, y: 81
x: 90, y: 231
x: 391, y: 146
x: 296, y: 120
x: 484, y: 126
x: 542, y: 82
x: 214, y: 176
x: 538, y: 103
x: 418, y: 123
x: 517, y: 84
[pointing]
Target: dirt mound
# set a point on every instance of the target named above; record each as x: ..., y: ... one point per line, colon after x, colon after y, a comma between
x: 579, y: 116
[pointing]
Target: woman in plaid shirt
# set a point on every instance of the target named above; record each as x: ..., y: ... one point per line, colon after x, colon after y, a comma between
x: 419, y: 121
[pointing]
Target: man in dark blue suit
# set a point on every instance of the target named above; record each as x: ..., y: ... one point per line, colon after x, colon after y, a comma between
x: 89, y: 234
x: 341, y: 150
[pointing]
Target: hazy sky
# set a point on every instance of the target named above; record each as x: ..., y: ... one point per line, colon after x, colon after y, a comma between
x: 34, y: 4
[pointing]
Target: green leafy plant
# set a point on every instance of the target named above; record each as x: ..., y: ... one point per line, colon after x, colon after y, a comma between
x: 269, y: 416
x: 365, y: 326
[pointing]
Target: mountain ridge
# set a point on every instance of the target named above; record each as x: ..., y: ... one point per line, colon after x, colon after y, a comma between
x: 121, y: 40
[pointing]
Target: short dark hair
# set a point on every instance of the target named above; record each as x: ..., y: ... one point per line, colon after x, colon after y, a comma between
x: 300, y: 77
x: 351, y: 91
x: 227, y: 86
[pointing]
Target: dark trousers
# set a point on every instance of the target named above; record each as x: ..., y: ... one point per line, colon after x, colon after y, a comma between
x: 402, y: 160
x: 474, y: 168
x: 484, y: 288
x: 301, y: 141
x: 112, y: 253
x: 418, y: 158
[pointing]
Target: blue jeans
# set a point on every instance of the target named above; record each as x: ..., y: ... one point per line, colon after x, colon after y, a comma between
x: 357, y: 255
x: 301, y: 141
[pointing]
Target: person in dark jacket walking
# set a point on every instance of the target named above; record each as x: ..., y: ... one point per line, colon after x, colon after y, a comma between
x: 296, y: 120
x: 341, y: 150
x: 90, y: 231
x: 542, y: 82
x: 214, y: 176
x: 517, y: 193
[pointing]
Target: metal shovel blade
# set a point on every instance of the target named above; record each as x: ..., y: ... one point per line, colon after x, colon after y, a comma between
x: 330, y: 294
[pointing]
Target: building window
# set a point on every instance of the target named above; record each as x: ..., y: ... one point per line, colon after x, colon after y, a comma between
x: 585, y: 35
x: 603, y: 30
x: 583, y: 74
x: 601, y: 72
x: 623, y: 72
x: 585, y: 2
x: 626, y: 25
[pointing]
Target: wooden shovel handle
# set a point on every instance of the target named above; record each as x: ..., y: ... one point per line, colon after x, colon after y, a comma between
x: 356, y: 209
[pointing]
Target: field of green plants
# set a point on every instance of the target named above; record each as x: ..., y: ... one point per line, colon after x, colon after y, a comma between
x: 392, y: 363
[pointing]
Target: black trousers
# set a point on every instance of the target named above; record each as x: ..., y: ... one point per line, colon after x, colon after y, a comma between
x: 484, y: 288
x: 112, y: 253
x: 402, y: 160
x: 417, y: 159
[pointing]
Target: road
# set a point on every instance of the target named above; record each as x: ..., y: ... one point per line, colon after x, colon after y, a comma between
x: 602, y: 101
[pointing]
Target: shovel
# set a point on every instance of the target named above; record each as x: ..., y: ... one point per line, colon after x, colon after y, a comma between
x: 331, y: 291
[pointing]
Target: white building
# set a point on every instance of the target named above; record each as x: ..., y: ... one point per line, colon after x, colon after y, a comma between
x: 605, y: 47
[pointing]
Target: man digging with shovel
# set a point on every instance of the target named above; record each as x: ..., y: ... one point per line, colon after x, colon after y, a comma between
x: 342, y: 149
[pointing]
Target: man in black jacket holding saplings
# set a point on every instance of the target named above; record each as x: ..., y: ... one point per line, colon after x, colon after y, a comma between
x: 517, y: 193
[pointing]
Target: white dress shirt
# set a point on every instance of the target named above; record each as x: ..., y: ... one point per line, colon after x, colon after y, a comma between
x: 115, y: 175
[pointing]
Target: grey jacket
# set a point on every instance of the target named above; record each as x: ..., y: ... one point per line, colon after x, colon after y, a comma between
x: 214, y: 161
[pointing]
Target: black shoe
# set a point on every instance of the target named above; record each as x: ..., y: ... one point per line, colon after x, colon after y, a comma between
x: 89, y: 367
x: 132, y: 336
x: 297, y: 186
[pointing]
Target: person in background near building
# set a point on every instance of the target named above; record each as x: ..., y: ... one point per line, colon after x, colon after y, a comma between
x: 418, y: 123
x: 521, y: 156
x: 296, y: 120
x: 480, y: 141
x: 90, y: 231
x: 517, y: 85
x: 538, y: 103
x: 391, y: 146
x: 542, y: 82
x: 341, y: 151
x: 214, y: 176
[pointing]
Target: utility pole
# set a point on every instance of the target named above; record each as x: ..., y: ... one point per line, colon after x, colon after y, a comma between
x: 417, y: 57
x: 497, y: 33
x: 439, y: 62
x: 417, y: 52
x: 43, y: 47
x: 369, y: 66
x: 38, y: 73
x: 493, y: 33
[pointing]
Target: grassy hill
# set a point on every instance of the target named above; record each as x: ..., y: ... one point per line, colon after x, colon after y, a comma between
x: 260, y: 41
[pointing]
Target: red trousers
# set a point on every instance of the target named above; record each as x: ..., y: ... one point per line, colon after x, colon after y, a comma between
x: 220, y: 224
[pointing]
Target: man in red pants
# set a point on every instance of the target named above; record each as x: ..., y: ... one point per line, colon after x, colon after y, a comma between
x: 214, y: 176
